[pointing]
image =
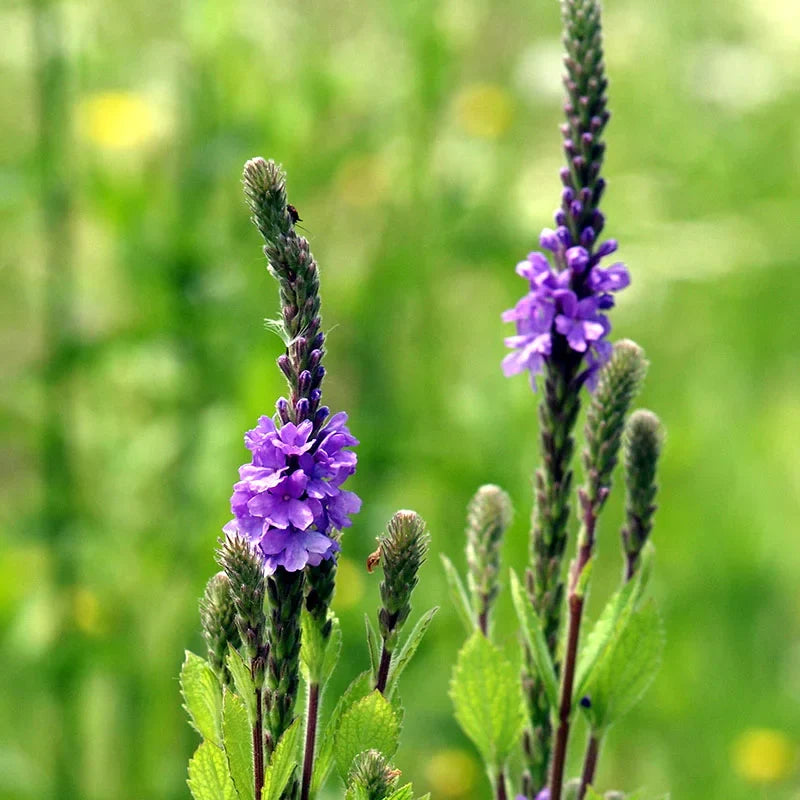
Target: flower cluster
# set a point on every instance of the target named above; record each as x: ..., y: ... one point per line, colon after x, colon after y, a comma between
x: 567, y: 301
x: 289, y: 499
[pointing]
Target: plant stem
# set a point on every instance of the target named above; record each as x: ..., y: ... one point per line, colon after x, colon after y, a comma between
x: 589, y: 764
x: 576, y: 603
x: 483, y: 616
x: 258, y: 746
x: 383, y: 670
x: 500, y: 793
x: 311, y: 739
x: 565, y: 706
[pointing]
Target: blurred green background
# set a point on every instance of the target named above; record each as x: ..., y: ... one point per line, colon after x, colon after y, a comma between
x: 421, y: 143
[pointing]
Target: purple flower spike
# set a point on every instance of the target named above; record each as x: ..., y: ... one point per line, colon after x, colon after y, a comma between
x: 289, y: 500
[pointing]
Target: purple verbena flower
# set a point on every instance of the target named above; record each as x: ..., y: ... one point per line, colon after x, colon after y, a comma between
x: 565, y: 301
x: 289, y: 499
x: 579, y: 320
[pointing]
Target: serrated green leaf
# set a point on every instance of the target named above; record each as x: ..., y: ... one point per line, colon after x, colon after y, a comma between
x: 282, y: 764
x: 208, y: 774
x: 369, y: 724
x: 358, y: 688
x: 408, y: 649
x: 487, y: 696
x: 242, y: 682
x: 626, y: 669
x: 372, y: 646
x: 202, y: 696
x: 403, y: 793
x: 237, y: 736
x: 458, y: 595
x: 534, y: 637
x: 618, y: 607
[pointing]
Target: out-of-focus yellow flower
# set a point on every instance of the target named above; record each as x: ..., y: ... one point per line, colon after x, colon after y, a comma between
x: 451, y: 773
x: 86, y: 608
x: 349, y: 585
x: 484, y: 110
x: 761, y: 755
x: 362, y: 181
x: 119, y: 120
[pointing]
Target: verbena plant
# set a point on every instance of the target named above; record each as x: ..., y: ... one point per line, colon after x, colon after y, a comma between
x: 267, y: 616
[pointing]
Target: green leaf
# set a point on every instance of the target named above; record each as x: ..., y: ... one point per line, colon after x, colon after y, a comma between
x: 243, y: 682
x: 626, y: 669
x: 403, y: 793
x: 458, y: 595
x: 318, y: 656
x: 332, y: 650
x: 358, y: 688
x: 237, y: 736
x: 409, y: 648
x: 618, y: 607
x: 372, y: 646
x: 534, y: 637
x: 487, y: 696
x: 282, y: 764
x: 591, y: 794
x: 202, y: 696
x: 369, y: 724
x: 208, y: 774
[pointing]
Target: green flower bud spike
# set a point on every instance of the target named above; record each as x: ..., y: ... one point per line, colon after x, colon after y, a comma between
x: 403, y: 549
x: 371, y: 777
x: 488, y: 516
x: 218, y: 618
x: 642, y: 444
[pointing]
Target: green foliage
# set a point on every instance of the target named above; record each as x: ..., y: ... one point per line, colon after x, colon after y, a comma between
x: 368, y: 724
x: 208, y: 774
x: 458, y: 594
x: 533, y: 633
x: 319, y: 655
x: 242, y: 682
x: 237, y: 737
x: 409, y: 648
x: 202, y: 697
x: 626, y: 668
x: 611, y: 621
x: 282, y: 764
x: 620, y: 605
x: 403, y: 793
x: 358, y: 688
x: 488, y: 700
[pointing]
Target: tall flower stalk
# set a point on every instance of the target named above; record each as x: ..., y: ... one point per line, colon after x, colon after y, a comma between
x: 289, y: 503
x: 561, y: 331
x: 267, y: 618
